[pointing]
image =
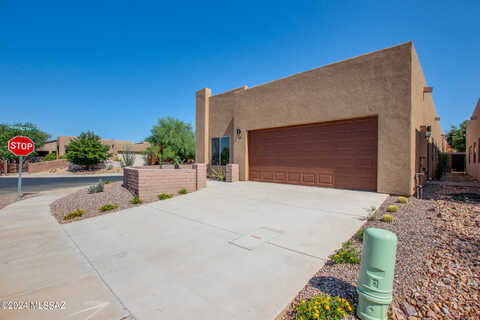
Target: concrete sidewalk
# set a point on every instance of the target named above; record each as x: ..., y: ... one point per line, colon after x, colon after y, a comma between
x: 40, y: 263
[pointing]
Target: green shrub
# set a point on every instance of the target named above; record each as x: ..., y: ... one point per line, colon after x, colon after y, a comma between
x: 392, y: 208
x: 346, y: 254
x: 164, y: 196
x: 182, y: 191
x: 87, y: 150
x: 402, y: 200
x: 106, y: 181
x: 359, y: 235
x: 73, y: 214
x: 97, y: 187
x: 51, y: 156
x: 388, y: 218
x: 108, y: 206
x: 136, y: 200
x: 323, y: 306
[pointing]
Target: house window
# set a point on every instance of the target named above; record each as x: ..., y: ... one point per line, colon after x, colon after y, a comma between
x: 220, y: 150
x: 474, y: 152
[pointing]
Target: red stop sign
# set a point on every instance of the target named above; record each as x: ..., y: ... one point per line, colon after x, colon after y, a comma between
x: 21, y: 146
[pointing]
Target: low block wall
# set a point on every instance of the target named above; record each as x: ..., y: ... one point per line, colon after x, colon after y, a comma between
x: 47, y: 165
x: 232, y: 172
x: 148, y: 181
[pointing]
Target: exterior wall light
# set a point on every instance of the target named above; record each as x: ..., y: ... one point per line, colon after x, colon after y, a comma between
x: 428, y: 133
x: 239, y: 131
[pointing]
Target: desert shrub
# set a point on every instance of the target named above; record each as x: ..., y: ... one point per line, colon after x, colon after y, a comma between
x: 128, y: 158
x: 182, y: 191
x: 51, y: 156
x: 164, y: 196
x: 346, y: 254
x: 402, y: 200
x: 73, y: 214
x: 392, y: 208
x: 371, y: 213
x: 359, y: 235
x: 388, y: 218
x: 217, y: 173
x: 136, y: 200
x: 97, y: 187
x: 108, y: 206
x: 323, y: 306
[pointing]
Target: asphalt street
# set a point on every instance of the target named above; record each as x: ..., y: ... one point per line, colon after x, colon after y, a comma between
x: 9, y: 184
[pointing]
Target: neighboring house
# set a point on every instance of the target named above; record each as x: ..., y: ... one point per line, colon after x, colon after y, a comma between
x: 473, y: 143
x: 116, y: 146
x: 366, y: 123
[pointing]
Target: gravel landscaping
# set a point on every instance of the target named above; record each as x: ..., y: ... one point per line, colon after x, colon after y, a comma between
x: 437, y: 271
x: 113, y: 193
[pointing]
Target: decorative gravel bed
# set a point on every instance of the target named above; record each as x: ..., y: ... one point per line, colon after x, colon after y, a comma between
x: 113, y: 193
x: 437, y: 271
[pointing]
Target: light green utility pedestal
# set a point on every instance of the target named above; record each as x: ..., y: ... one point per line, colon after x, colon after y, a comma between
x: 375, y: 281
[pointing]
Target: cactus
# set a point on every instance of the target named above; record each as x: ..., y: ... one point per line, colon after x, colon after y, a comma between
x: 392, y: 208
x: 388, y: 218
x: 402, y: 200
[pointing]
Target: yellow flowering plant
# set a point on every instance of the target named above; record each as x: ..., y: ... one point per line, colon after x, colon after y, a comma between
x: 323, y: 306
x: 346, y: 254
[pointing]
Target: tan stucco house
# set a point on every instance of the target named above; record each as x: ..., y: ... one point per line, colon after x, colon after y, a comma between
x: 366, y: 123
x: 116, y: 147
x: 473, y: 143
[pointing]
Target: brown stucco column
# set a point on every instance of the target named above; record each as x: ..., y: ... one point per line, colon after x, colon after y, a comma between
x: 202, y: 125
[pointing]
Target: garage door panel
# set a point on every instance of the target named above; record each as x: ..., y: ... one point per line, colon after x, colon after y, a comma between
x: 340, y: 154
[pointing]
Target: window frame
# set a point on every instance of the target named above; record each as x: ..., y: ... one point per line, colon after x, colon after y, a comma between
x: 474, y: 152
x: 220, y: 150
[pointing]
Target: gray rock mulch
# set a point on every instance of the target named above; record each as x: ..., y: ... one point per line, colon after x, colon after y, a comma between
x: 113, y: 193
x: 437, y: 271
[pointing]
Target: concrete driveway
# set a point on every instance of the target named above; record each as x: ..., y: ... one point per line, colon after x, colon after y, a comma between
x: 230, y: 251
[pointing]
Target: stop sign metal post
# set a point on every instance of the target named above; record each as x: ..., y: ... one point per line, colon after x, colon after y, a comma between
x: 21, y: 146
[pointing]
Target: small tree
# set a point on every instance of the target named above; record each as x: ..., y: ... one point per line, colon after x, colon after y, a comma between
x: 175, y: 137
x: 456, y: 138
x: 86, y: 150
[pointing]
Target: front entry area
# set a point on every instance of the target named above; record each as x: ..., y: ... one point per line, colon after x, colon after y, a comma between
x: 337, y: 154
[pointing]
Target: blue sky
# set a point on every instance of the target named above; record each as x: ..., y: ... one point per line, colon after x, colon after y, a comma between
x: 116, y: 67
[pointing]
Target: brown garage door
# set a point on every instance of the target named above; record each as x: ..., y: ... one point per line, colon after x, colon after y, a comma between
x: 339, y: 154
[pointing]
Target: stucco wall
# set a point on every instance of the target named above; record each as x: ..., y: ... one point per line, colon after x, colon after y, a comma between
x: 375, y: 84
x: 423, y: 115
x: 473, y: 137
